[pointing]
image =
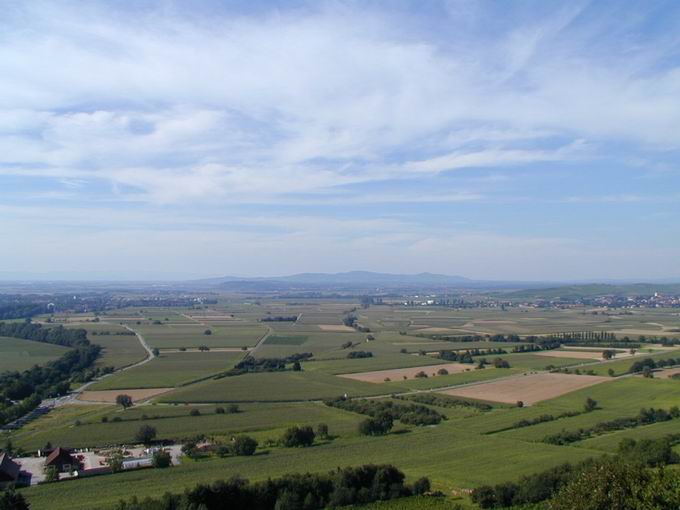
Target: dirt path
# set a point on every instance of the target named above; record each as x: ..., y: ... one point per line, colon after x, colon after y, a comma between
x: 261, y: 341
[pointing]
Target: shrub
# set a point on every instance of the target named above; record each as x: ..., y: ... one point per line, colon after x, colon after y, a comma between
x: 219, y: 410
x: 194, y: 412
x: 442, y: 371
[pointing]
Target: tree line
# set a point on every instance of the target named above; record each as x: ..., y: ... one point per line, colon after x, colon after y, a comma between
x: 58, y: 335
x: 346, y: 486
x: 645, y: 417
x: 412, y: 414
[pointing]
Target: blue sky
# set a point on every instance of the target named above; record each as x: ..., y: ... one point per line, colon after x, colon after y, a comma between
x: 495, y: 140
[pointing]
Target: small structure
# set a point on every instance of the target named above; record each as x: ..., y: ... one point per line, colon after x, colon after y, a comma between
x: 62, y: 459
x: 9, y: 470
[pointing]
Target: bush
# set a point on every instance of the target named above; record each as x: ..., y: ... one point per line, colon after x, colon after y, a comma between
x: 442, y: 371
x: 298, y: 437
x: 219, y: 410
x: 232, y: 409
x: 194, y: 412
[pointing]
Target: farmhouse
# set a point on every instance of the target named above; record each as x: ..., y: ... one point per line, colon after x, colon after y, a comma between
x: 9, y: 470
x: 62, y: 459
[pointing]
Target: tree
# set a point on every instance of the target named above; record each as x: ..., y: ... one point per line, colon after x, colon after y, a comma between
x: 377, y: 426
x: 203, y: 348
x: 156, y: 352
x: 297, y: 367
x: 51, y: 474
x: 244, y: 446
x: 590, y: 405
x: 219, y: 410
x: 442, y: 371
x: 115, y: 461
x: 207, y: 332
x: 146, y: 434
x: 161, y: 459
x: 194, y: 412
x: 298, y: 437
x: 12, y: 500
x: 608, y: 354
x: 124, y: 401
x: 617, y: 485
x: 611, y: 372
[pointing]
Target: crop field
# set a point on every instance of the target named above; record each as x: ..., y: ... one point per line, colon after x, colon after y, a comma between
x: 459, y: 453
x: 19, y: 354
x: 173, y: 336
x: 171, y: 369
x: 528, y: 389
x: 273, y: 387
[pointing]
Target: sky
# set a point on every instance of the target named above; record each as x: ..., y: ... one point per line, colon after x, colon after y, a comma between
x: 494, y: 140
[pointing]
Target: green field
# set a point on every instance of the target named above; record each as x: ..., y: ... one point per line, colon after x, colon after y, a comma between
x: 473, y: 446
x: 174, y: 336
x: 18, y: 354
x: 273, y: 387
x: 171, y: 369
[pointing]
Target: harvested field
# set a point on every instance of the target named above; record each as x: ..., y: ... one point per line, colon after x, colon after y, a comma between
x: 529, y: 389
x: 398, y: 374
x: 109, y: 396
x: 338, y: 328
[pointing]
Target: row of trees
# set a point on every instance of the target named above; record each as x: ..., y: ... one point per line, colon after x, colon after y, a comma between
x: 347, y: 486
x: 645, y: 417
x: 413, y: 414
x: 250, y: 364
x: 58, y: 335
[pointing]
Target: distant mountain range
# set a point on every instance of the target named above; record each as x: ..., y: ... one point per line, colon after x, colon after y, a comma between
x: 356, y: 280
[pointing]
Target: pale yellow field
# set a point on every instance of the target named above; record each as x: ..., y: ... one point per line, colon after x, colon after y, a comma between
x: 528, y: 389
x: 395, y: 374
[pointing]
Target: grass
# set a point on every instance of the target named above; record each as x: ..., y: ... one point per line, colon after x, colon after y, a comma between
x: 18, y: 354
x: 273, y: 387
x: 171, y: 369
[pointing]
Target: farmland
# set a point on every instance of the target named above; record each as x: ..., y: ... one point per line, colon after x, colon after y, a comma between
x: 19, y: 354
x: 400, y: 353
